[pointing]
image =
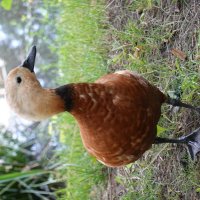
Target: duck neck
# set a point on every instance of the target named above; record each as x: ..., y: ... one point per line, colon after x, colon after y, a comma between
x: 46, y: 104
x: 49, y: 102
x: 52, y: 103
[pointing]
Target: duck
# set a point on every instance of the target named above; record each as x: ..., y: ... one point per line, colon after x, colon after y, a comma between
x: 117, y: 114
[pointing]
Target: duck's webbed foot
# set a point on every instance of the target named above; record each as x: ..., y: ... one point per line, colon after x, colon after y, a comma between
x: 192, y: 141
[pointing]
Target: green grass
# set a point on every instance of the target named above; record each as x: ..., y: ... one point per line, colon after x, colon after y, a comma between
x: 159, y: 174
x: 81, y: 49
x: 81, y: 58
x: 22, y: 176
x: 80, y: 46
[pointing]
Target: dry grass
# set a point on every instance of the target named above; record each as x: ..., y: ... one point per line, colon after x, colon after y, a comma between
x: 155, y: 28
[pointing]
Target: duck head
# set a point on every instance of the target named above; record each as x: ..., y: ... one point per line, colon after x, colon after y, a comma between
x: 21, y: 86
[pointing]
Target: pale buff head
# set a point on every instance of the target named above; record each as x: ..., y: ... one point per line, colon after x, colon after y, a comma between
x: 21, y: 86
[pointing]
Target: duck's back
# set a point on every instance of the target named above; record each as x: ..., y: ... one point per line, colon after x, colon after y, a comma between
x: 117, y: 117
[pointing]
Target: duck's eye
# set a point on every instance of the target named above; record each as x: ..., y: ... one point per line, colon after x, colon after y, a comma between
x: 19, y: 79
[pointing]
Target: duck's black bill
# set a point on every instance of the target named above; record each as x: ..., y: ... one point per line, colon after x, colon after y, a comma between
x: 30, y: 60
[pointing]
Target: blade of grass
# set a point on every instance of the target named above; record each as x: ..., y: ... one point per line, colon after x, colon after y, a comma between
x: 35, y: 192
x: 7, y: 187
x: 20, y: 175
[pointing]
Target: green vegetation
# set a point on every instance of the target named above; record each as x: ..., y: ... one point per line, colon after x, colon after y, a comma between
x: 142, y: 46
x: 23, y: 175
x: 80, y: 45
x: 139, y: 37
x: 145, y: 45
x: 6, y: 4
x: 81, y: 58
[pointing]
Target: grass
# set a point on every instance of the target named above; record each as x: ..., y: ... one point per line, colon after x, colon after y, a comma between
x: 136, y: 39
x: 81, y: 58
x: 143, y: 44
x: 81, y: 52
x: 80, y: 41
x: 22, y: 175
x: 139, y: 37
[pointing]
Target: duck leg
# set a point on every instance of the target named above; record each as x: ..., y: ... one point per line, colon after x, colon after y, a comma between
x: 177, y: 102
x: 192, y: 141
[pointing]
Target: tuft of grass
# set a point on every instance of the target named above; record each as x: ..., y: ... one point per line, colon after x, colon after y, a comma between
x: 22, y: 175
x: 80, y: 41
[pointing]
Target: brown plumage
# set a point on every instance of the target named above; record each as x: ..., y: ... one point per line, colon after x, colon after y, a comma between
x: 117, y: 115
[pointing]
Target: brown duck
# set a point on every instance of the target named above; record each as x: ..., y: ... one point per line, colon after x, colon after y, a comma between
x: 117, y: 114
